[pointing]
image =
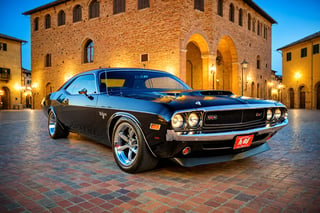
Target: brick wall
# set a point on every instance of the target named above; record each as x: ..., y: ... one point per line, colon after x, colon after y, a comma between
x: 162, y: 31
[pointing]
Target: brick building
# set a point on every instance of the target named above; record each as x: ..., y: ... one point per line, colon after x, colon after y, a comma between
x: 11, y: 78
x: 203, y: 42
x: 301, y: 72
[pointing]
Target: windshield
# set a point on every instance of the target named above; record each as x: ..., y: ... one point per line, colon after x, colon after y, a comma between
x: 137, y: 80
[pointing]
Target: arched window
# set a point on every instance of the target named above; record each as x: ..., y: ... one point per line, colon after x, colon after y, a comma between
x: 220, y: 8
x: 199, y: 5
x: 231, y: 12
x: 258, y: 62
x: 36, y: 24
x: 88, y: 52
x: 94, y: 9
x: 77, y: 13
x: 240, y: 17
x: 258, y: 28
x: 119, y: 6
x: 48, y: 60
x: 47, y: 21
x: 253, y: 25
x: 61, y: 18
x: 249, y: 21
x: 143, y: 4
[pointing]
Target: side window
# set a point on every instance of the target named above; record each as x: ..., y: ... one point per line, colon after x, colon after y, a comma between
x: 113, y: 81
x: 85, y: 81
x: 163, y: 83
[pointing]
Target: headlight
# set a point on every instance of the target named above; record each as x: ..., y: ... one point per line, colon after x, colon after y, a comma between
x: 285, y: 114
x: 193, y: 120
x: 277, y: 114
x: 177, y: 121
x: 269, y: 114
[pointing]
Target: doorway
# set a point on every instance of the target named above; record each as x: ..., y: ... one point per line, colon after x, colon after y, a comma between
x: 302, y: 98
x: 291, y: 98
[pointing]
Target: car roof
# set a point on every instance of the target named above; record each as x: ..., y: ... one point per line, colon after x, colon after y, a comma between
x: 120, y: 69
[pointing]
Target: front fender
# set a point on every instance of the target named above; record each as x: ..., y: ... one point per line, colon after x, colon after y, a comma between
x: 116, y: 116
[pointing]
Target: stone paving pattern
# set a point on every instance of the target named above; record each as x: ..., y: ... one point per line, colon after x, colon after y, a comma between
x: 38, y: 174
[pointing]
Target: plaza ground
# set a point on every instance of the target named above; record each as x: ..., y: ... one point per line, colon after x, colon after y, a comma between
x: 38, y: 174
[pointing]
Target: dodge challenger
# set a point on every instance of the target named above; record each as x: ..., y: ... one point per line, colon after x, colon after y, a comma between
x: 147, y: 115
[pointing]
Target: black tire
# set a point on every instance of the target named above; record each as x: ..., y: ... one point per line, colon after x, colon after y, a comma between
x: 54, y: 128
x: 129, y: 148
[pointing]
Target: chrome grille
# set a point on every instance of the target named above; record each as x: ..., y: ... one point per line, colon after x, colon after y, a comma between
x: 233, y: 120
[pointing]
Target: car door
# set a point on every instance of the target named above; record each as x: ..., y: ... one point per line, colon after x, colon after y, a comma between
x: 80, y: 103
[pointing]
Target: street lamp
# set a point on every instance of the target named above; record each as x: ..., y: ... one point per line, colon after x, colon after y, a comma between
x: 244, y: 66
x: 213, y: 71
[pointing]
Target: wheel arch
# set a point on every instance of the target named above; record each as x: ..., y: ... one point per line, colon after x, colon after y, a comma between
x: 113, y: 120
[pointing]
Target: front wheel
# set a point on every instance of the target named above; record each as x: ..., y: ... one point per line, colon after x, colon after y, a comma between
x: 54, y: 128
x: 130, y: 151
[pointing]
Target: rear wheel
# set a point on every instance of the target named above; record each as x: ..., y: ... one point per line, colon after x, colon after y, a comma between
x: 54, y: 128
x: 130, y: 151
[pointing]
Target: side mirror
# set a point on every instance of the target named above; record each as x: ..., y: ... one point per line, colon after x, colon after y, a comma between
x: 84, y: 91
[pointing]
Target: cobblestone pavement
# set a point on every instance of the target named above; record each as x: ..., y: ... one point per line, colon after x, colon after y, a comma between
x: 38, y: 174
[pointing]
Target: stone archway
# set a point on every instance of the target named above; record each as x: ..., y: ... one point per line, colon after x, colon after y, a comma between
x: 227, y: 65
x: 197, y: 62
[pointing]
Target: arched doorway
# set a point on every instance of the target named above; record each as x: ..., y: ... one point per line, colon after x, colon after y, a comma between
x: 227, y: 71
x: 197, y: 62
x: 291, y: 98
x: 318, y: 96
x: 5, y: 98
x: 194, y: 66
x: 302, y: 94
x: 252, y: 89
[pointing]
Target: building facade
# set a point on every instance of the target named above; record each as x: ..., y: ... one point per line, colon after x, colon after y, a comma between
x: 10, y: 72
x: 204, y: 42
x: 301, y: 73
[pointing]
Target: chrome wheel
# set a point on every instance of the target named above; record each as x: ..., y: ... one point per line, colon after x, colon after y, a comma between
x: 55, y: 129
x: 52, y: 123
x: 126, y: 144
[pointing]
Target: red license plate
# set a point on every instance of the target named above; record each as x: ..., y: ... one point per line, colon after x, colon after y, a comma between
x: 243, y: 141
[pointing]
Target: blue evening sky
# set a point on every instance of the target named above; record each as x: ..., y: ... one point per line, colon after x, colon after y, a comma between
x: 296, y: 19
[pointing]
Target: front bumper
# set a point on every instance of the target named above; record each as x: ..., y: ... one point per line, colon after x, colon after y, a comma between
x: 217, y: 147
x: 189, y: 162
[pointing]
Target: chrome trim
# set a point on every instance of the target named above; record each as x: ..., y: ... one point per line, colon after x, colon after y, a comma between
x: 173, y: 136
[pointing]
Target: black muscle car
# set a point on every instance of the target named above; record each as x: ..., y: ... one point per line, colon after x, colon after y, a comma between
x: 146, y: 115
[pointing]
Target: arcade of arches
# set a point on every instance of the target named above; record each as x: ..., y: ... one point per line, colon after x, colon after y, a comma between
x: 198, y: 65
x: 297, y: 99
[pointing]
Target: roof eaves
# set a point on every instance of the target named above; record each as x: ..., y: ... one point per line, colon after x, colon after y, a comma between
x: 46, y: 6
x: 261, y: 11
x: 307, y: 38
x: 12, y: 38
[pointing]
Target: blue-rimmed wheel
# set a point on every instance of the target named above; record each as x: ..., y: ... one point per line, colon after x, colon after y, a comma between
x: 54, y: 128
x: 129, y: 148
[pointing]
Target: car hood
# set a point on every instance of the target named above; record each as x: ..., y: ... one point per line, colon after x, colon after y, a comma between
x: 184, y: 99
